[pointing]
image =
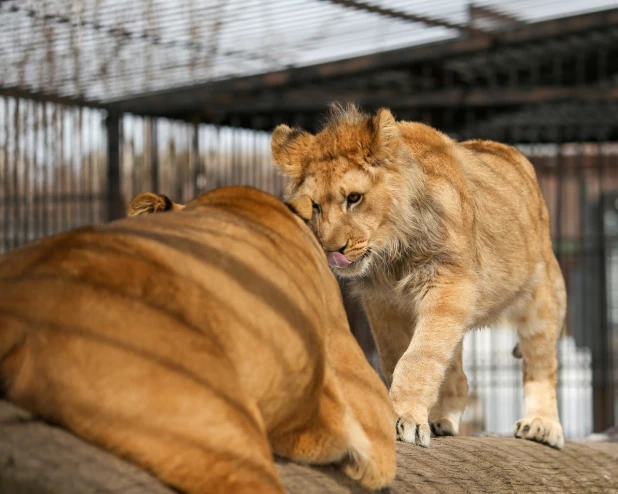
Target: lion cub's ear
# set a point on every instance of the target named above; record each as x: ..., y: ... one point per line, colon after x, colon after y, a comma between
x: 301, y: 207
x: 288, y: 147
x: 149, y: 202
x: 386, y: 138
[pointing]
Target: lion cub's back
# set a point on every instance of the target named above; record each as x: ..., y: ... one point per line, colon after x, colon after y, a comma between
x: 261, y: 286
x: 503, y: 166
x: 248, y: 295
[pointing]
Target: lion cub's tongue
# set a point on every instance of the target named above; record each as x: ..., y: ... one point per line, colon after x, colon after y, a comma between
x: 338, y: 260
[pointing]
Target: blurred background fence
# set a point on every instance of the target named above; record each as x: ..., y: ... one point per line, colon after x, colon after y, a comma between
x: 102, y: 99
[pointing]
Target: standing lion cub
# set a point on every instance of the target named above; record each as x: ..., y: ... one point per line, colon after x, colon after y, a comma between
x: 440, y: 237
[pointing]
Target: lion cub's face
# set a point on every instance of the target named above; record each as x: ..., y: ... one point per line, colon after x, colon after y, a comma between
x: 347, y: 213
x: 345, y: 171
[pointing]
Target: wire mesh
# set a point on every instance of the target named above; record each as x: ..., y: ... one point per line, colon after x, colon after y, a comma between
x: 106, y: 49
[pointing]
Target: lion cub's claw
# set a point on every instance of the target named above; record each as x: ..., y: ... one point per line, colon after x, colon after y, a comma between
x: 540, y: 430
x: 410, y: 431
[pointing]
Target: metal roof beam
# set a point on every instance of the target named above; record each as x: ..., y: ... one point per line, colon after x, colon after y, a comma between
x: 185, y: 100
x: 456, y: 97
x: 480, y: 15
x: 215, y: 110
x: 44, y: 97
x: 397, y: 14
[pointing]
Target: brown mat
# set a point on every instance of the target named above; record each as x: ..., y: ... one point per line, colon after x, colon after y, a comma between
x: 36, y: 458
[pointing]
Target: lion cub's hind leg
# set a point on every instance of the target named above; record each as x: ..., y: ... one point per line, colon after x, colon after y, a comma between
x: 333, y: 435
x: 538, y: 328
x: 193, y: 430
x: 445, y: 416
x: 320, y: 440
x: 370, y: 414
x: 237, y: 460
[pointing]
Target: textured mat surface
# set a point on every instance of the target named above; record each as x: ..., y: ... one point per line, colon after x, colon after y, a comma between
x: 36, y: 458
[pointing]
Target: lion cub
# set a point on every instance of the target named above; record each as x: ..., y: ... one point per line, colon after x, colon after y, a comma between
x: 439, y: 237
x: 195, y: 343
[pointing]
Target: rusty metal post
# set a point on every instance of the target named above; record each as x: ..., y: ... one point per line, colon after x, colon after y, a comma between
x: 6, y: 204
x: 154, y: 155
x: 195, y: 156
x: 114, y: 196
x: 602, y: 366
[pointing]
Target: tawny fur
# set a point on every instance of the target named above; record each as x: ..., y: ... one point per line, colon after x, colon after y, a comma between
x: 195, y: 343
x: 446, y: 237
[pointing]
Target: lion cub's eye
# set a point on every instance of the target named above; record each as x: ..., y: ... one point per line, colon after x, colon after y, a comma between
x: 316, y: 207
x: 353, y: 198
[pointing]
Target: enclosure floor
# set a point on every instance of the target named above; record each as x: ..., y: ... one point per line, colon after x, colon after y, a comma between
x: 36, y: 458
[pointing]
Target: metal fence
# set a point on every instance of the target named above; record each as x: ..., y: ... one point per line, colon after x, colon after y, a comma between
x: 54, y: 172
x: 55, y: 175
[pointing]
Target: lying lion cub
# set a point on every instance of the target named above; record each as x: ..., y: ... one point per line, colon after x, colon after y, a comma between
x: 195, y: 343
x: 440, y: 237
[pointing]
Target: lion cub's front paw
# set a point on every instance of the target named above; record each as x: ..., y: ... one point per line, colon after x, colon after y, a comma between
x: 443, y: 427
x: 411, y: 431
x: 546, y: 431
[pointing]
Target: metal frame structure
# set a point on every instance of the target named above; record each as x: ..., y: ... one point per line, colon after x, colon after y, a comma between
x: 446, y: 83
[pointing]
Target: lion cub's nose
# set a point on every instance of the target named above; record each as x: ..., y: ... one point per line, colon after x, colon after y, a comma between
x: 340, y: 250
